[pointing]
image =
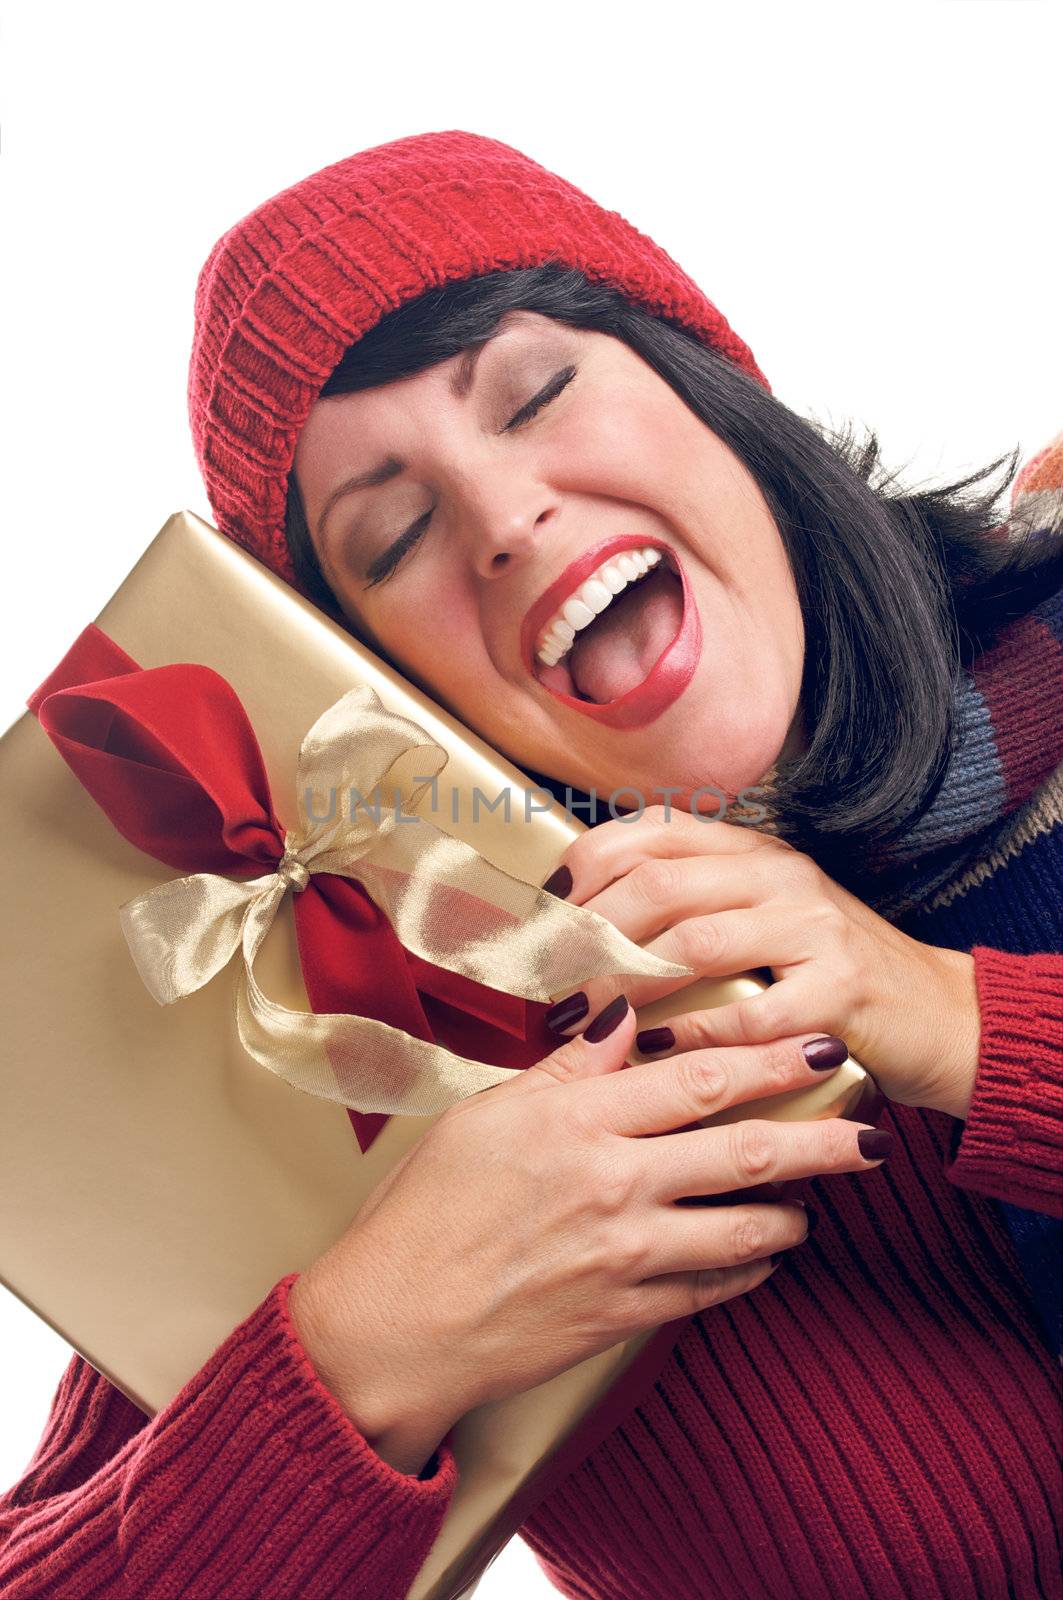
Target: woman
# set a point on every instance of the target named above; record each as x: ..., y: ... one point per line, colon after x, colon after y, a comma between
x: 530, y: 394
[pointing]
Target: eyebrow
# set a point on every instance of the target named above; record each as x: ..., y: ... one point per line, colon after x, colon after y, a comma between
x: 461, y: 381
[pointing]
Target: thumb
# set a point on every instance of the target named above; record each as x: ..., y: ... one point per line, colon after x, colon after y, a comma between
x: 599, y: 1049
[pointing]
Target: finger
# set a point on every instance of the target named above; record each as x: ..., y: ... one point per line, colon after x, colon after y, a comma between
x: 722, y: 944
x: 604, y: 853
x: 658, y: 1096
x: 684, y: 1294
x: 777, y: 1012
x: 754, y: 1151
x: 569, y: 1015
x: 602, y: 1048
x: 661, y: 890
x: 685, y: 1240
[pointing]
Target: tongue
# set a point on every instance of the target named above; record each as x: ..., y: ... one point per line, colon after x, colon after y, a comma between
x: 615, y: 652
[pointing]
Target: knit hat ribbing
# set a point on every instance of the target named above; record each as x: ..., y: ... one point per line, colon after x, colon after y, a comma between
x: 290, y: 287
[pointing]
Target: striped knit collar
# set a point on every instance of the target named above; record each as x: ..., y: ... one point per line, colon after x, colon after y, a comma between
x: 1009, y: 726
x: 1009, y: 714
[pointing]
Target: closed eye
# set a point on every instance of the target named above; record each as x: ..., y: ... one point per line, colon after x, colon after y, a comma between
x: 388, y: 560
x: 559, y: 381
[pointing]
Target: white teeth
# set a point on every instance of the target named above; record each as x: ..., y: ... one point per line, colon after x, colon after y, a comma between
x: 595, y: 594
x: 555, y: 644
x: 576, y: 613
x: 591, y: 598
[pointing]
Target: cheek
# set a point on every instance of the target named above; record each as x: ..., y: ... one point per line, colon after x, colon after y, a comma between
x: 432, y: 629
x: 732, y: 525
x: 623, y: 448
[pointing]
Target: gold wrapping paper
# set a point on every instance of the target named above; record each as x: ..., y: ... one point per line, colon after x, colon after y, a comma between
x: 155, y: 1181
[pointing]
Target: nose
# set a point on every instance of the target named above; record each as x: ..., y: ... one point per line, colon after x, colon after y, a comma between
x: 506, y: 525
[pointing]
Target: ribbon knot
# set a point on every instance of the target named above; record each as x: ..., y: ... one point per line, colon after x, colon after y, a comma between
x: 292, y: 872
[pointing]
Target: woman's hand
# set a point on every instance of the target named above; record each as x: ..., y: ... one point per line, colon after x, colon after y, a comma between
x: 724, y: 899
x: 536, y: 1224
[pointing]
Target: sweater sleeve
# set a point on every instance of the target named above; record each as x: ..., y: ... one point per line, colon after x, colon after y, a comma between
x: 1011, y: 1145
x: 253, y: 1481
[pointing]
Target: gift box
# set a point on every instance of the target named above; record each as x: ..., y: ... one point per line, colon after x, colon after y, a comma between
x: 234, y: 1000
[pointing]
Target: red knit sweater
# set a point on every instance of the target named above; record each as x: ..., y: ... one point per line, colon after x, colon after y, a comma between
x: 881, y: 1418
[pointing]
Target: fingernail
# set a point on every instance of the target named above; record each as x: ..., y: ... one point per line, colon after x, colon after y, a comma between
x: 827, y: 1052
x: 874, y: 1143
x: 559, y: 883
x: 567, y: 1011
x: 604, y: 1023
x: 651, y: 1039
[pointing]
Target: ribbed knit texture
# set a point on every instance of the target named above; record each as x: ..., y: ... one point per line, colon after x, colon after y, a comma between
x: 252, y: 1483
x: 1017, y: 1121
x: 1002, y: 755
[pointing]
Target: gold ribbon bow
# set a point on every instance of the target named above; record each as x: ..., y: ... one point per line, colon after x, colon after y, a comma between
x: 445, y: 902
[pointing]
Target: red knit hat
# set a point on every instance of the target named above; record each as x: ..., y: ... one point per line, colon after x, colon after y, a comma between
x: 288, y: 289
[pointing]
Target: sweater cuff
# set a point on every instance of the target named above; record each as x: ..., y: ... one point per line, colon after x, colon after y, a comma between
x: 257, y: 1459
x: 1010, y: 1147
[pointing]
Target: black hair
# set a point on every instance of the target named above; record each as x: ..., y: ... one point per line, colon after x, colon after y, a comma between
x: 899, y: 588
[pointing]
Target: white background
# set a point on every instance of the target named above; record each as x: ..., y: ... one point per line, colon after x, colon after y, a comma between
x: 868, y: 192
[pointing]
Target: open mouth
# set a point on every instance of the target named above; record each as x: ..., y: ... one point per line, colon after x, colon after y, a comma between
x: 621, y: 645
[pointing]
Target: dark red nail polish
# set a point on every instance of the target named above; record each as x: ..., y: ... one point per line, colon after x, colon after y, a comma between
x: 559, y: 883
x: 822, y: 1054
x: 608, y: 1019
x: 874, y: 1143
x: 567, y: 1011
x: 651, y: 1039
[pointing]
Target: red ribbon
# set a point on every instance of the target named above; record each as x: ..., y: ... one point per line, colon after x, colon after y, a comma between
x: 170, y: 755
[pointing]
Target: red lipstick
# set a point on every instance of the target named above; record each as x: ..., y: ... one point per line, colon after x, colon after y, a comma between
x: 670, y: 673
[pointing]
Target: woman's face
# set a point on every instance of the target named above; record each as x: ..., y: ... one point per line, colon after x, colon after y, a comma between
x: 688, y: 678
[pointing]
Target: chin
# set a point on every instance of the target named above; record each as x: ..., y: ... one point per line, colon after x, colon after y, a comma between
x: 707, y: 750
